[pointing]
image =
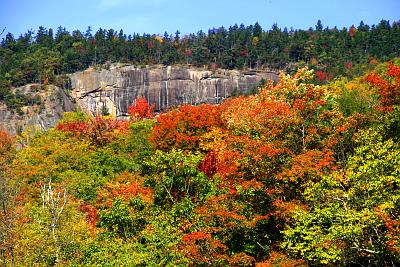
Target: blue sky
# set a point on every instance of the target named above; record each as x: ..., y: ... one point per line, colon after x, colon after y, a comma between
x: 189, y: 16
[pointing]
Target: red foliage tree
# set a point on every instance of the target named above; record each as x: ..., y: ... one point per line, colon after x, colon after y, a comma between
x: 98, y: 130
x: 141, y: 110
x: 280, y: 259
x: 209, y: 164
x: 393, y: 229
x: 387, y: 83
x: 92, y: 217
x: 348, y: 65
x: 201, y: 249
x: 321, y: 75
x: 273, y: 145
x: 195, y: 236
x: 352, y: 31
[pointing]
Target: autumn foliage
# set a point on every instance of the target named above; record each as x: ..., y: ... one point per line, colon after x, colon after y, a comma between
x: 297, y: 174
x: 209, y: 164
x: 141, y: 109
x: 7, y: 144
x: 183, y: 127
x: 97, y: 130
x: 387, y: 82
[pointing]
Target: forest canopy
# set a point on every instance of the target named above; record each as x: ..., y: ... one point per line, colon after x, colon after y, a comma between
x: 297, y: 174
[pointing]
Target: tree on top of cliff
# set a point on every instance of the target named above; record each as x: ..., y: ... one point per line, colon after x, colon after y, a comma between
x: 39, y: 58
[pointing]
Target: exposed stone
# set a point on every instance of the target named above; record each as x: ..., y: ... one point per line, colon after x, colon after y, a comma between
x: 117, y: 88
x: 54, y: 102
x: 166, y: 87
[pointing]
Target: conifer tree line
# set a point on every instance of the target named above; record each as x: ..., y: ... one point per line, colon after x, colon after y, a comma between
x: 40, y: 56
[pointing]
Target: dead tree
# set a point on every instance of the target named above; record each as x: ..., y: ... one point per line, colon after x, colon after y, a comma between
x: 53, y: 202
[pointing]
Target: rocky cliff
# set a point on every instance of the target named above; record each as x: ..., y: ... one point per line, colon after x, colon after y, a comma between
x: 53, y: 103
x: 113, y: 90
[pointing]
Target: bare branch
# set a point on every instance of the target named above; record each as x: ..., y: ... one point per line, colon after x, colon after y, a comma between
x: 169, y: 194
x: 55, y: 204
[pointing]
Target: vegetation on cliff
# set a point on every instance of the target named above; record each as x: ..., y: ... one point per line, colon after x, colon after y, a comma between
x: 298, y: 174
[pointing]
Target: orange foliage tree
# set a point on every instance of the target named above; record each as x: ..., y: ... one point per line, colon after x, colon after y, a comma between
x: 201, y: 249
x: 121, y: 204
x: 183, y: 127
x: 8, y: 199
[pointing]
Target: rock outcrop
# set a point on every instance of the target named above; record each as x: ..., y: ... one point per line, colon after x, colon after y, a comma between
x: 54, y: 102
x: 113, y: 90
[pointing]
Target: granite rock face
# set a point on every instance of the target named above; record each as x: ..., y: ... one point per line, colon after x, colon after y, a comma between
x: 54, y: 102
x: 113, y: 90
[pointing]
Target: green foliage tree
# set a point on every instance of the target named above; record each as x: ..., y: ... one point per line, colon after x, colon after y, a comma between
x: 118, y: 220
x: 352, y: 211
x: 175, y: 175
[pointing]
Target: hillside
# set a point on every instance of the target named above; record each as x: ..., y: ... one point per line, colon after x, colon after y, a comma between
x: 107, y: 70
x: 44, y: 106
x: 296, y: 174
x: 44, y: 55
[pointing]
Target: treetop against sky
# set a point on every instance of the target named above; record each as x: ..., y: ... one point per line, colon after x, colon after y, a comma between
x: 158, y: 16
